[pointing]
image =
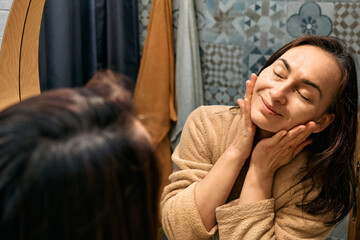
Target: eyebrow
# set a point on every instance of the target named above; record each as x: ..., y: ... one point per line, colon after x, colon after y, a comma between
x: 305, y: 81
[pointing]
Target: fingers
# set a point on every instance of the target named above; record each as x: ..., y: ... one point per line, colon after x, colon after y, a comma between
x: 241, y: 103
x: 293, y: 138
x: 278, y: 136
x: 250, y: 86
x: 253, y: 79
x: 245, y: 108
x: 245, y: 104
x: 299, y: 134
x: 301, y: 146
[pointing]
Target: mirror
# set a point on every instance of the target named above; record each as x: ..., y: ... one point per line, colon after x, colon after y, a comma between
x: 19, y: 74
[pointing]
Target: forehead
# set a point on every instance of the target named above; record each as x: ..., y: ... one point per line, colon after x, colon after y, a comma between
x: 315, y: 65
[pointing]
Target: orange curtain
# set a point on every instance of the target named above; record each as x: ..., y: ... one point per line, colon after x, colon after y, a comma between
x: 154, y: 92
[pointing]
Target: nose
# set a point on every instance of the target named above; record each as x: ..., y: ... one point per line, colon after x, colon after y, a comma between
x: 279, y: 94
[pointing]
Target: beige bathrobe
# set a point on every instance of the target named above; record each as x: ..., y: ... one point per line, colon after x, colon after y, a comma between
x: 208, y: 132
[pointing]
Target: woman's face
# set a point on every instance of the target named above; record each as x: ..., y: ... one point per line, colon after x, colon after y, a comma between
x: 296, y: 88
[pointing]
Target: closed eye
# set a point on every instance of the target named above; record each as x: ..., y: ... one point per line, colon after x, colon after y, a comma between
x: 305, y: 98
x: 278, y: 75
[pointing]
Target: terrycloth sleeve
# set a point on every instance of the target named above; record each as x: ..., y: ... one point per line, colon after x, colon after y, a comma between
x: 276, y: 218
x: 247, y: 221
x: 180, y: 216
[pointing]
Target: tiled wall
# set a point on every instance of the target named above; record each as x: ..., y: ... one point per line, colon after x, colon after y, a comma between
x: 4, y: 12
x: 236, y: 37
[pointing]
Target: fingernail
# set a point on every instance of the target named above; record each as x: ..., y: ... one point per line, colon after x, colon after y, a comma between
x: 311, y: 124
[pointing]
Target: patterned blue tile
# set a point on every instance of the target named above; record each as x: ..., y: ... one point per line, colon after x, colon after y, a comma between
x: 347, y: 24
x: 224, y: 22
x: 264, y: 23
x: 223, y: 82
x: 309, y: 20
x: 254, y: 58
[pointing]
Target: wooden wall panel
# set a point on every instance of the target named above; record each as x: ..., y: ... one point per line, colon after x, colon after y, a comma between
x: 19, y: 74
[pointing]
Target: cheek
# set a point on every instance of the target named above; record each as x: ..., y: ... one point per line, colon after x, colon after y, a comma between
x: 296, y: 115
x: 300, y: 115
x: 255, y: 104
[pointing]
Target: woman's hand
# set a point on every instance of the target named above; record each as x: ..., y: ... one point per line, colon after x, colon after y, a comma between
x: 272, y: 153
x: 243, y: 141
x: 212, y: 191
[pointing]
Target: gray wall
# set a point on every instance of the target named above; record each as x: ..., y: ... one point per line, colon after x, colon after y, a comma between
x: 4, y: 12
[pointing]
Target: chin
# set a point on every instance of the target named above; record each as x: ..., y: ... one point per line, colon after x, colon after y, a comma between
x: 264, y: 124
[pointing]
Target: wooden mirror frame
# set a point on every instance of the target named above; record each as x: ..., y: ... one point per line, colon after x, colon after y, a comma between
x: 19, y: 71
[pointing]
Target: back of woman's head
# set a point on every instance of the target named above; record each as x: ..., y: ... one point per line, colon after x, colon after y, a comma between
x: 72, y: 166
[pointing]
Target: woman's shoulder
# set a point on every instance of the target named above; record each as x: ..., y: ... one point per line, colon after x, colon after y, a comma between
x: 215, y: 120
x: 210, y: 111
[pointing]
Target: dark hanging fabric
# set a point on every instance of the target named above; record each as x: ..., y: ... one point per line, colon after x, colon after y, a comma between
x: 117, y: 21
x: 78, y: 37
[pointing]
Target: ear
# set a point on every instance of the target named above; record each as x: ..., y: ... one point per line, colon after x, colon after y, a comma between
x: 325, y: 120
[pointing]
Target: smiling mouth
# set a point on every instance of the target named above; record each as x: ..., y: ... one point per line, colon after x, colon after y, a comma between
x: 269, y: 108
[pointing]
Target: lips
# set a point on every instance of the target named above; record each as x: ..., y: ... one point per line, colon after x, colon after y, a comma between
x: 270, y: 108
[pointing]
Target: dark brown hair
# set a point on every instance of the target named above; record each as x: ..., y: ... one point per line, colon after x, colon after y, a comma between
x: 73, y: 167
x: 331, y: 155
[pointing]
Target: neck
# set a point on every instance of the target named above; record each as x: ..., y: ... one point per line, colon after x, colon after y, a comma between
x: 261, y: 134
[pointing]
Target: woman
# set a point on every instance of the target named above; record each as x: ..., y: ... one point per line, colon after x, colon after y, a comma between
x: 281, y: 165
x: 76, y: 164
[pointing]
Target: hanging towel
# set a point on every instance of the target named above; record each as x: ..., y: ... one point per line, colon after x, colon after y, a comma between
x: 154, y: 90
x: 92, y: 35
x: 189, y: 87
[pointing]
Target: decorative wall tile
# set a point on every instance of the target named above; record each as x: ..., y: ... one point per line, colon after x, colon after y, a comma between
x: 264, y: 23
x: 224, y: 22
x: 223, y: 81
x: 347, y: 24
x: 253, y: 60
x: 309, y: 18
